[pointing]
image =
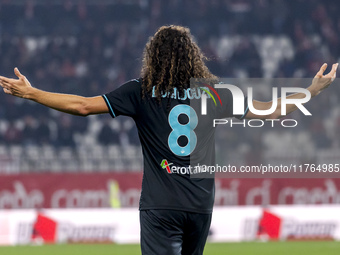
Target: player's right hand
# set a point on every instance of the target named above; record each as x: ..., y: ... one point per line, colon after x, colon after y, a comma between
x: 321, y: 81
x: 17, y: 87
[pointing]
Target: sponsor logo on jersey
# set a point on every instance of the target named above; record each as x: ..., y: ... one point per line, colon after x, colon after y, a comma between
x: 166, y: 165
x: 183, y: 170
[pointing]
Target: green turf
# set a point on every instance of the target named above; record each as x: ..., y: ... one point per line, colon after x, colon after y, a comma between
x: 251, y: 248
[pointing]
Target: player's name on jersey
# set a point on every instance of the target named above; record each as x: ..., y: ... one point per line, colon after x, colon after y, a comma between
x: 191, y: 93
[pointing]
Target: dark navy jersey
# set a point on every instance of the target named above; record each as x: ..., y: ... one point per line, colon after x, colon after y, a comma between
x: 165, y: 129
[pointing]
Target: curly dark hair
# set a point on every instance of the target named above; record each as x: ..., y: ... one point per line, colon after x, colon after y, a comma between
x: 171, y: 58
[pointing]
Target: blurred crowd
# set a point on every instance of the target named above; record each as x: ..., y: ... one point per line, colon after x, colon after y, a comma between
x: 91, y: 47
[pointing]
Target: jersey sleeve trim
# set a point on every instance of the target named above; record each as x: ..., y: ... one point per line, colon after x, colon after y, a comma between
x: 245, y: 113
x: 112, y: 113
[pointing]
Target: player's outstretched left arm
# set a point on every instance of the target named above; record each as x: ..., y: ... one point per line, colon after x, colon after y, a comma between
x: 72, y: 104
x: 319, y: 83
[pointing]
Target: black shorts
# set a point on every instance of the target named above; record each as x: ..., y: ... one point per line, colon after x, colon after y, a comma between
x: 173, y: 232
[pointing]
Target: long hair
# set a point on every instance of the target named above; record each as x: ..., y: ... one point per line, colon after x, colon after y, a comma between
x: 170, y: 59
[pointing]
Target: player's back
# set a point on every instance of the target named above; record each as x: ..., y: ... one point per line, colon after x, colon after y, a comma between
x: 167, y: 131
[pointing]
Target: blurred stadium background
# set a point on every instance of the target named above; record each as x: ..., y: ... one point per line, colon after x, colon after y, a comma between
x: 81, y: 177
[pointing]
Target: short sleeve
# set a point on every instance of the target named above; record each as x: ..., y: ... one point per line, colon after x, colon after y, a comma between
x: 226, y: 108
x: 125, y: 99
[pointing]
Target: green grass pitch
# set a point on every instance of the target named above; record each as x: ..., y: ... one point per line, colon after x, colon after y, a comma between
x: 245, y: 248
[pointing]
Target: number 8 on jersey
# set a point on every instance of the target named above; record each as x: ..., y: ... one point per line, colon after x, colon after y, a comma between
x: 179, y: 130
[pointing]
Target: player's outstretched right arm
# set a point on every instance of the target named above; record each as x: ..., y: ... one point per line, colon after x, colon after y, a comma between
x: 320, y: 82
x: 72, y: 104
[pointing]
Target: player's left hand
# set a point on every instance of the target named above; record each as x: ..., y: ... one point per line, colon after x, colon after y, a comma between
x: 17, y: 87
x: 321, y: 81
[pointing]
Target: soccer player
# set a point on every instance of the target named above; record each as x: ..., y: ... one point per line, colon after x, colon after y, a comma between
x: 175, y: 210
